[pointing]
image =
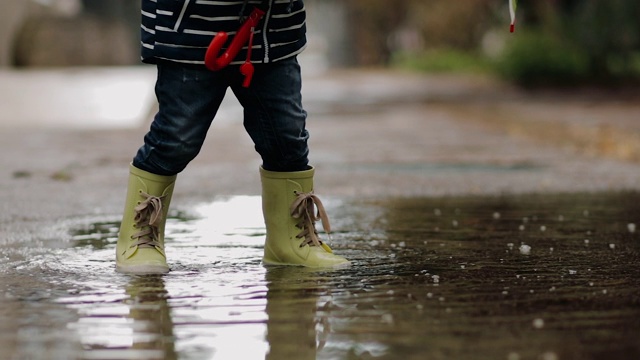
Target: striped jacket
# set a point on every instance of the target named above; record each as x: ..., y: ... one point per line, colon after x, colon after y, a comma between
x: 181, y: 30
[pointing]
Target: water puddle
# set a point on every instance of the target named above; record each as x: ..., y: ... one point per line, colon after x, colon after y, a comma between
x: 513, y: 277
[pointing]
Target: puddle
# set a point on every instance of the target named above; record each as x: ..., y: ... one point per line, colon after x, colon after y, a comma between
x: 513, y: 277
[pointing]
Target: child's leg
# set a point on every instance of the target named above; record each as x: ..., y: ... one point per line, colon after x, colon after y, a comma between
x: 188, y: 100
x: 274, y: 116
x: 275, y: 120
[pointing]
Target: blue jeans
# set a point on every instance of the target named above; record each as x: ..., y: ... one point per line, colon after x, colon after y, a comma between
x: 189, y: 98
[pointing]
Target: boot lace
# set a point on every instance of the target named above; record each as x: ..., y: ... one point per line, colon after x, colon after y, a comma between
x: 304, y: 209
x: 148, y: 217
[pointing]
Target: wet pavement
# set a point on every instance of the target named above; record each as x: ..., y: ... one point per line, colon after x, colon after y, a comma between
x: 514, y: 277
x: 469, y: 240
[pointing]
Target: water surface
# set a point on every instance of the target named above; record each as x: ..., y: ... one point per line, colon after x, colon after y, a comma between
x: 513, y: 277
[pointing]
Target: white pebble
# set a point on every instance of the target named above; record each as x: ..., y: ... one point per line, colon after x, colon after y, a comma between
x: 525, y: 249
x: 631, y: 227
x: 538, y: 323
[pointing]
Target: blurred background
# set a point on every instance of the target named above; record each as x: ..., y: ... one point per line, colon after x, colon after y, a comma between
x: 557, y: 42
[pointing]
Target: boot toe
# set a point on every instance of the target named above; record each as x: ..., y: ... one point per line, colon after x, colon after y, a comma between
x: 321, y: 258
x: 144, y: 261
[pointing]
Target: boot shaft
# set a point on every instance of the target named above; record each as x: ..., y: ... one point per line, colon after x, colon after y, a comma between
x: 287, y: 242
x: 140, y: 247
x: 140, y: 182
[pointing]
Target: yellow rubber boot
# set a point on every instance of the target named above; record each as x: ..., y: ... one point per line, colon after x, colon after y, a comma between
x: 140, y: 248
x: 289, y: 209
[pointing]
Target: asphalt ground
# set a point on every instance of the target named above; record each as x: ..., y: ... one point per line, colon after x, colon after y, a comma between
x: 426, y: 179
x: 67, y: 136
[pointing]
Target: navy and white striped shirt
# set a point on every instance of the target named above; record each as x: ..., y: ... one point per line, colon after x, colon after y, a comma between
x: 181, y: 30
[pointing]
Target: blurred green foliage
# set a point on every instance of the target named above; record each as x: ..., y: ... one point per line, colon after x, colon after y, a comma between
x: 575, y: 42
x: 443, y: 60
x: 536, y: 58
x: 557, y: 42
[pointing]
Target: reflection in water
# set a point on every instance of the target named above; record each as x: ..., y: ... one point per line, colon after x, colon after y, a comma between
x: 297, y: 327
x: 513, y: 277
x: 135, y: 325
x: 150, y: 317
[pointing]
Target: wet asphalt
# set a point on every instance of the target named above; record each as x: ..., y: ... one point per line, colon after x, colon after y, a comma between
x: 483, y: 222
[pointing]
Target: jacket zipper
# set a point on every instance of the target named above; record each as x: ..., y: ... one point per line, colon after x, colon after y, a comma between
x: 264, y: 33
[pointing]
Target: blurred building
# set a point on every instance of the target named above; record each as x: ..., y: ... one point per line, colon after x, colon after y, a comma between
x: 35, y: 33
x: 12, y: 13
